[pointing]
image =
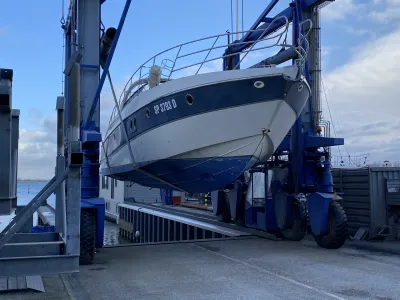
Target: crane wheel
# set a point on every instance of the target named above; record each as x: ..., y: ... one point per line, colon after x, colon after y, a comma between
x: 225, y: 215
x: 337, y: 228
x: 298, y: 229
x: 87, y: 237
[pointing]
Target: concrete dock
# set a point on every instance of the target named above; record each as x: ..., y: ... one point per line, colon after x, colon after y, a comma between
x: 243, y: 268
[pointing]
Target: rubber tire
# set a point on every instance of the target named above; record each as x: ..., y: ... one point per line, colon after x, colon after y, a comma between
x: 337, y: 231
x: 240, y: 219
x: 299, y: 228
x: 240, y: 222
x: 87, y: 237
x: 225, y: 216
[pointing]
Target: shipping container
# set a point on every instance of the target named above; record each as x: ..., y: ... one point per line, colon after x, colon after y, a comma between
x: 365, y: 193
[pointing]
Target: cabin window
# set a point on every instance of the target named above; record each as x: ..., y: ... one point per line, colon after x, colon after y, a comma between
x: 132, y: 124
x: 189, y: 99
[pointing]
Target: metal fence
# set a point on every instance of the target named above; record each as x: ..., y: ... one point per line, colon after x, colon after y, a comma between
x: 144, y: 224
x: 356, y: 199
x: 365, y: 195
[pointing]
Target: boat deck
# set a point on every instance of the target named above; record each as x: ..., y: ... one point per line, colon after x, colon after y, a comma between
x: 243, y: 268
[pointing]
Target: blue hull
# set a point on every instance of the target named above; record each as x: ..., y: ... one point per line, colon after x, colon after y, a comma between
x: 194, y: 175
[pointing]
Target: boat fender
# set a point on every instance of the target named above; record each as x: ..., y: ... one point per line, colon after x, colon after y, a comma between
x: 154, y: 76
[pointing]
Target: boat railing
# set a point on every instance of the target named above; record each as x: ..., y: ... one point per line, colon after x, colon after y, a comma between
x: 183, y: 60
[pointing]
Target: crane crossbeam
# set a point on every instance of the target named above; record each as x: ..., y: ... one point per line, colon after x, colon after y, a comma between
x: 263, y: 18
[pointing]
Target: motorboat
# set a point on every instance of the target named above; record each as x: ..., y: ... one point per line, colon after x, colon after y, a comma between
x: 199, y: 132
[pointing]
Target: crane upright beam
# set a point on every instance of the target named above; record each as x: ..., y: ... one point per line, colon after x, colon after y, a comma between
x: 79, y: 217
x: 308, y: 156
x: 309, y: 115
x: 83, y: 45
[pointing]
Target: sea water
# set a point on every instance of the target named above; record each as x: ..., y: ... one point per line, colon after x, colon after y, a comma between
x: 27, y: 190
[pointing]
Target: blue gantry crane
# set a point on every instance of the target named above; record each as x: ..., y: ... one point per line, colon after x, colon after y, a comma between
x: 88, y: 44
x: 297, y: 191
x: 79, y: 213
x: 292, y: 188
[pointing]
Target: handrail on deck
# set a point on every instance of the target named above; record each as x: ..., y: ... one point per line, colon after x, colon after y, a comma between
x: 170, y: 66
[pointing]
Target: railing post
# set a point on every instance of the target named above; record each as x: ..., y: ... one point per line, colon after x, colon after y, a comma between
x: 173, y: 65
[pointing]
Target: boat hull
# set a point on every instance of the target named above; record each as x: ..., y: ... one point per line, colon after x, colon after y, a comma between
x: 202, y: 146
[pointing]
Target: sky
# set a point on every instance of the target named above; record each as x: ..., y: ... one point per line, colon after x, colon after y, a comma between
x: 360, y: 54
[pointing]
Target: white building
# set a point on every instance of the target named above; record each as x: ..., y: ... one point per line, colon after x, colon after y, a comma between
x: 115, y: 192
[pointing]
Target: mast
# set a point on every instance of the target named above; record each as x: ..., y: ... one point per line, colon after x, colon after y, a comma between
x: 237, y: 20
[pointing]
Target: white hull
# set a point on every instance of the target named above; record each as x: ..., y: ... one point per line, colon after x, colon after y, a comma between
x: 199, y: 133
x: 237, y: 119
x: 236, y: 131
x: 200, y: 80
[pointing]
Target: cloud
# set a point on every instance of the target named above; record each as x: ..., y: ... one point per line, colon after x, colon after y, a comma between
x: 107, y: 104
x: 328, y: 56
x: 357, y: 31
x: 364, y: 96
x: 386, y: 16
x: 37, y: 148
x: 339, y: 10
x: 388, y: 11
x: 387, y: 2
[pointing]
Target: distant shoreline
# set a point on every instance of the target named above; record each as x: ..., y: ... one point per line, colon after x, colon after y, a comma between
x: 32, y: 180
